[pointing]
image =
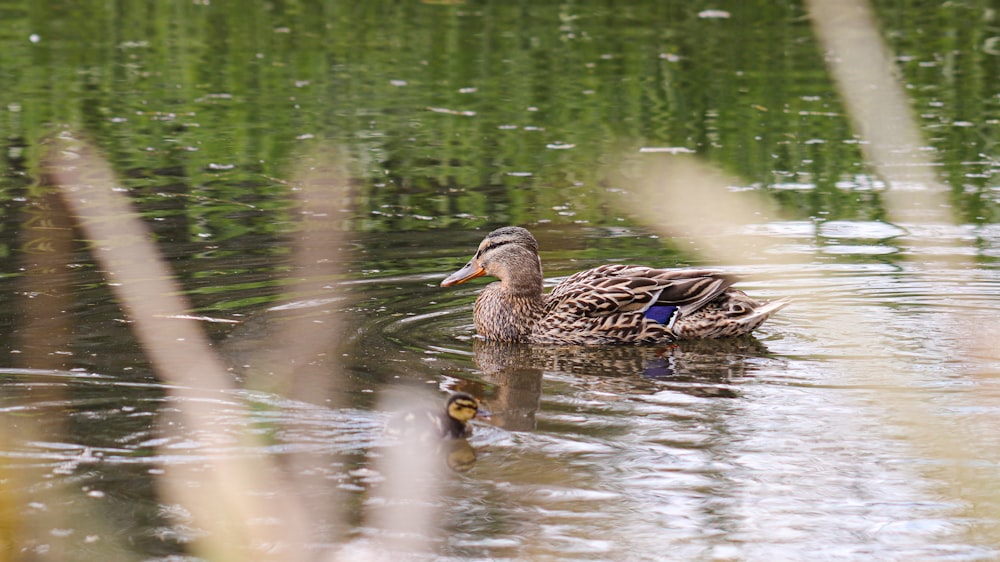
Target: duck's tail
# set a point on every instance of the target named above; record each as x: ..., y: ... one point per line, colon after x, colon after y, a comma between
x: 764, y: 311
x: 736, y: 316
x: 751, y: 321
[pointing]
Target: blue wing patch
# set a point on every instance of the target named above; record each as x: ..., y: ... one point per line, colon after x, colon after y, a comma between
x: 662, y: 313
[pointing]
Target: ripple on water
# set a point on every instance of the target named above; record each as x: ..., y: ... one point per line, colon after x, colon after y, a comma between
x: 783, y: 447
x: 795, y: 459
x: 115, y: 428
x: 871, y: 230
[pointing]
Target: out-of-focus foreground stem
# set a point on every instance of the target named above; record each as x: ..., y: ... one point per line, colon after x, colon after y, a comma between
x: 244, y: 503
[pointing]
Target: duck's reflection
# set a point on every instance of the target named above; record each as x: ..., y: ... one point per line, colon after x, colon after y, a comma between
x: 704, y: 368
x: 459, y: 454
x: 516, y: 376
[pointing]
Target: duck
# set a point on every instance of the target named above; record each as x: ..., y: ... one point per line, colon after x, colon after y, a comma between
x: 609, y: 304
x: 432, y: 425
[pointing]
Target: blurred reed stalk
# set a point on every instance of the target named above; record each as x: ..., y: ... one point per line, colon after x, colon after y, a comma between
x: 860, y: 62
x: 862, y: 67
x: 245, y: 503
x: 407, y: 517
x: 43, y: 337
x: 32, y: 523
x: 715, y: 218
x: 305, y: 366
x: 248, y: 507
x: 880, y: 111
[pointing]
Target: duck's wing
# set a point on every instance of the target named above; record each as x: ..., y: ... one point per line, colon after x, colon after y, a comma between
x: 617, y: 288
x: 690, y: 289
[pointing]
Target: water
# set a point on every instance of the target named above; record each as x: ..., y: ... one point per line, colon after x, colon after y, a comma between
x: 857, y: 424
x: 819, y: 438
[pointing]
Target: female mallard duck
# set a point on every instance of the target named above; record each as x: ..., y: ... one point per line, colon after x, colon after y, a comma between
x: 429, y: 425
x: 607, y: 304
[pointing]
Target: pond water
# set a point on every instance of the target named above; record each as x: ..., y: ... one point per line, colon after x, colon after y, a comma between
x: 806, y: 441
x: 857, y: 424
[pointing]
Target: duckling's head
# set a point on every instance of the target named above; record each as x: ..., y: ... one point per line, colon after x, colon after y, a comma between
x: 462, y: 407
x: 509, y: 254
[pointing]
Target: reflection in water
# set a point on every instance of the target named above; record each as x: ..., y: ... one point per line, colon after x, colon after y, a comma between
x: 457, y: 455
x: 517, y: 382
x: 701, y: 368
x: 461, y: 455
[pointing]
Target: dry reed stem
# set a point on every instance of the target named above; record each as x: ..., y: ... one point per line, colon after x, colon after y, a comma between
x: 242, y: 501
x: 862, y: 67
x: 714, y: 217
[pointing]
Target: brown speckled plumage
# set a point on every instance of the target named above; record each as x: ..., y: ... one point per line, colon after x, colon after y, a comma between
x: 604, y: 305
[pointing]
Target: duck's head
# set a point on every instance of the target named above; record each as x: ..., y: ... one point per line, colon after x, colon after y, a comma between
x: 462, y: 407
x: 509, y: 253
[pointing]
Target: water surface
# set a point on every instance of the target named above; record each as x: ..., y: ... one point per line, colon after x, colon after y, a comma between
x: 857, y: 424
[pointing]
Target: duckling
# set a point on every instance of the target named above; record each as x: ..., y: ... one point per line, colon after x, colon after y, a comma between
x: 429, y: 425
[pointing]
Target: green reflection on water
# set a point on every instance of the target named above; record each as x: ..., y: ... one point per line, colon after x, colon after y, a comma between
x: 480, y: 113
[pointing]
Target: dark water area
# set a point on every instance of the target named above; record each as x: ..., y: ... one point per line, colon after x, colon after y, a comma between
x: 857, y: 424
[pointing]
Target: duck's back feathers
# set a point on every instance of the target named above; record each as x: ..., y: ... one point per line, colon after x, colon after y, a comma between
x: 626, y: 304
x: 732, y: 314
x: 628, y: 288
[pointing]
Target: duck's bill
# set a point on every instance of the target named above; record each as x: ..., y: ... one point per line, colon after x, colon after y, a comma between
x: 470, y: 271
